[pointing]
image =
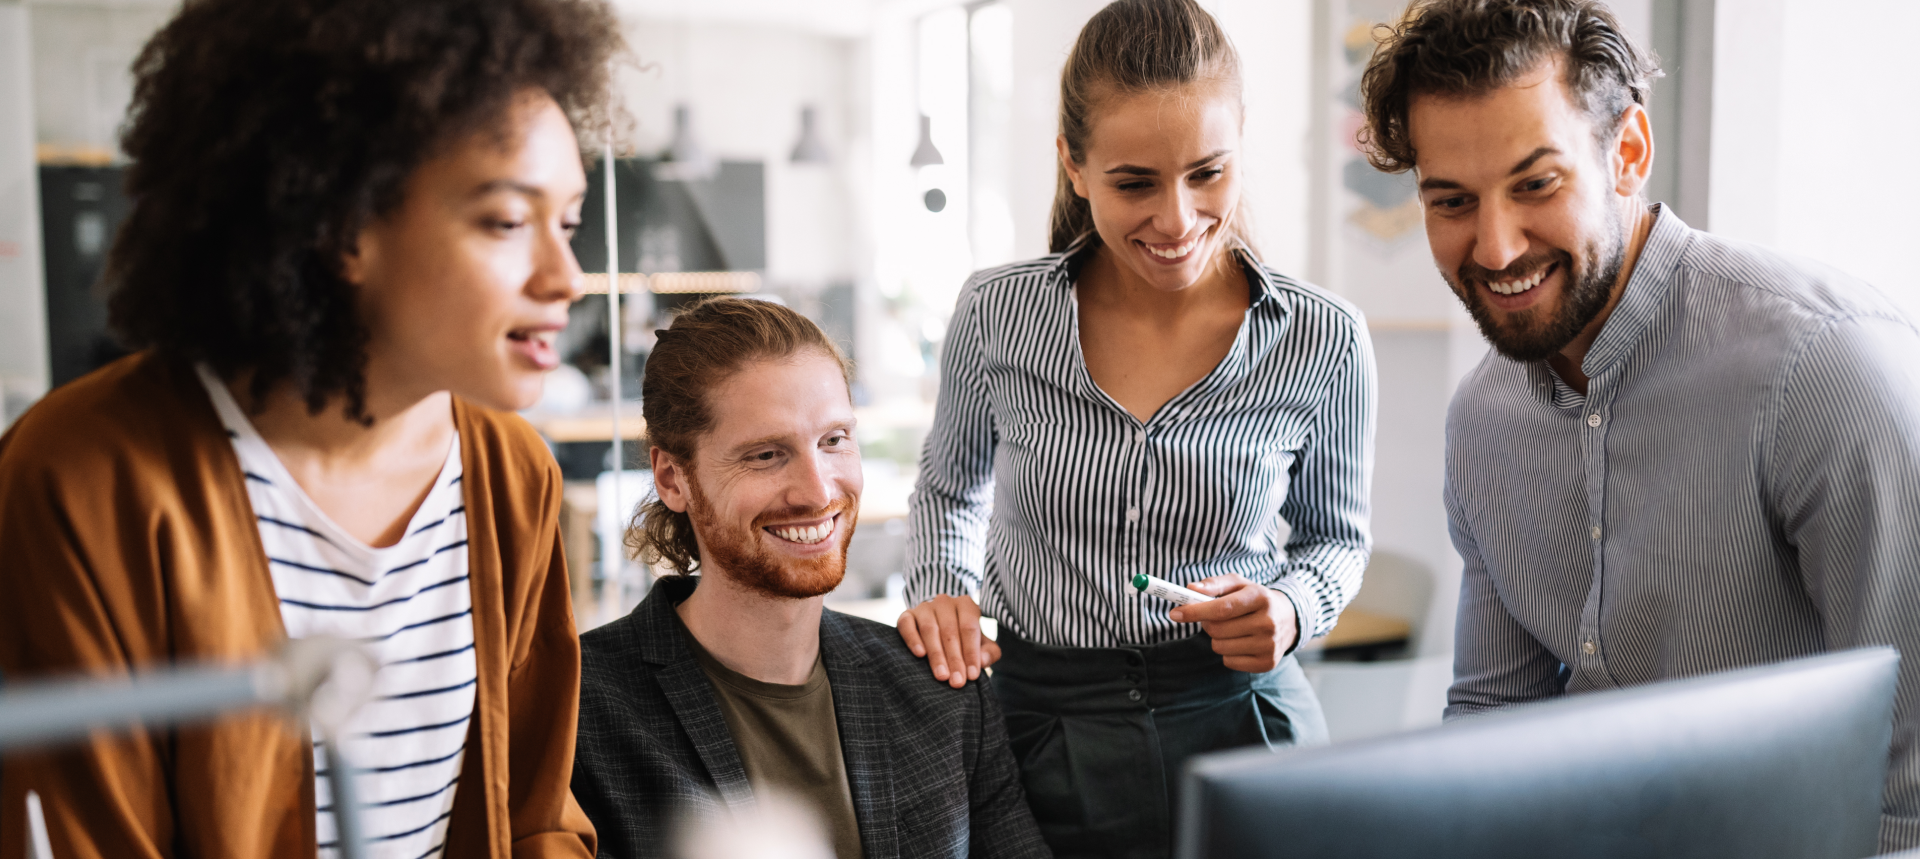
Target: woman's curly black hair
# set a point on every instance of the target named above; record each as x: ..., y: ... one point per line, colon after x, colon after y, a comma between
x: 264, y: 134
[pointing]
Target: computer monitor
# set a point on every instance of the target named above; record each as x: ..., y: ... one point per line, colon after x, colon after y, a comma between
x: 1785, y: 760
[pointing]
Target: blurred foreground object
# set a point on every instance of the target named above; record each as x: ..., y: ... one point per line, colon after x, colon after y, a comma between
x: 321, y: 680
x: 1779, y: 761
x: 37, y: 846
x: 778, y: 826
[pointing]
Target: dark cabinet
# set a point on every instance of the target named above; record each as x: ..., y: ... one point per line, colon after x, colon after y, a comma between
x: 80, y: 211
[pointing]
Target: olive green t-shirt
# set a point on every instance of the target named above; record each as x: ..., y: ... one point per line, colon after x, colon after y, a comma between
x: 788, y: 738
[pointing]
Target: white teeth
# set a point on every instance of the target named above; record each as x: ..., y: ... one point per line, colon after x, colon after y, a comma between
x: 1515, y: 287
x: 1175, y: 253
x: 808, y: 534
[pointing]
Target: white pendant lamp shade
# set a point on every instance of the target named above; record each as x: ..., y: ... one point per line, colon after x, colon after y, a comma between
x: 684, y: 147
x: 685, y: 157
x: 924, y: 154
x: 809, y: 149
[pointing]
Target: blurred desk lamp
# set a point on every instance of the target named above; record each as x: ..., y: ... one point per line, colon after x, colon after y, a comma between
x: 322, y: 680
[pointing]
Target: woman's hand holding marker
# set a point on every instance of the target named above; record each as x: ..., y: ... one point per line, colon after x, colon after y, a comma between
x: 1252, y: 626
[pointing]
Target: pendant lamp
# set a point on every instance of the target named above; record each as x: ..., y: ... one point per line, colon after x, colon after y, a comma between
x: 809, y: 149
x: 924, y: 154
x: 685, y: 159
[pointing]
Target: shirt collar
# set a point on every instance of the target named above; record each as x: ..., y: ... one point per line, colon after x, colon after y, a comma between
x: 1646, y: 291
x: 1066, y: 266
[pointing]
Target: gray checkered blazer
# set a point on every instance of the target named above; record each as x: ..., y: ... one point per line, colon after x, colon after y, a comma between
x: 928, y: 765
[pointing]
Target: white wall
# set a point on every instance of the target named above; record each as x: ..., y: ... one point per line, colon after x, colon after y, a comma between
x: 1812, y: 106
x: 746, y: 84
x: 23, y: 330
x: 1635, y: 17
x: 1743, y: 184
x: 1043, y: 33
x: 1275, y: 42
x: 82, y: 54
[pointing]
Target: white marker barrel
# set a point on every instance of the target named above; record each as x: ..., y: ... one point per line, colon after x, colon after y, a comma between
x: 1154, y: 586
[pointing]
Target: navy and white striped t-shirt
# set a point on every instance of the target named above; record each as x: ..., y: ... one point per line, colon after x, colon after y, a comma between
x: 1081, y: 495
x: 410, y: 602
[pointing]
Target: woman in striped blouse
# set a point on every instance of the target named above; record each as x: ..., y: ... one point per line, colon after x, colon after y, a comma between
x: 345, y: 265
x: 1150, y: 399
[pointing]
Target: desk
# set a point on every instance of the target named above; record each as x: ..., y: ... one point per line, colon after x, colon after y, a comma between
x: 1358, y: 628
x: 593, y: 423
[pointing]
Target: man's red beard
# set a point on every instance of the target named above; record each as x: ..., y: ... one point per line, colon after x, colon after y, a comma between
x: 749, y: 562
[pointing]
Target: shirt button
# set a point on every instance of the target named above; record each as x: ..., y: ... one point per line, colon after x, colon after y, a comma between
x: 1596, y: 532
x: 1134, y: 695
x: 1587, y: 647
x: 1593, y: 420
x: 1140, y: 437
x: 1133, y: 514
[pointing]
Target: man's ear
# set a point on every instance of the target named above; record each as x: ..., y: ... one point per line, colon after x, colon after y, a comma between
x: 670, y: 481
x: 1066, y: 163
x: 1632, y: 155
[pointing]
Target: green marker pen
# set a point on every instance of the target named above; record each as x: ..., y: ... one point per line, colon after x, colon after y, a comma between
x: 1154, y: 586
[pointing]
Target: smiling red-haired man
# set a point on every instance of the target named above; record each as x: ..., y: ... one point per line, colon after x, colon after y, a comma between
x: 738, y: 680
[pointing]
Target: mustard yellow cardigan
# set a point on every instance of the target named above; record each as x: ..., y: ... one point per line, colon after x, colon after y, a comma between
x: 127, y: 540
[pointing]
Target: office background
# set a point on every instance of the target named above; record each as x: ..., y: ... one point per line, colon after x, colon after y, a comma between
x: 800, y: 169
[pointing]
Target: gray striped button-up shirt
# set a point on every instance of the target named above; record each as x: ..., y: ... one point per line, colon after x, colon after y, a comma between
x: 1081, y: 495
x: 1740, y: 484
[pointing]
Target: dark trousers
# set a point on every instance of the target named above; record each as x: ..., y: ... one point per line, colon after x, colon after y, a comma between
x: 1101, y: 733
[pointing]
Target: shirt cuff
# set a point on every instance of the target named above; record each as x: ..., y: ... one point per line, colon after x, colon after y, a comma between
x: 1300, y: 628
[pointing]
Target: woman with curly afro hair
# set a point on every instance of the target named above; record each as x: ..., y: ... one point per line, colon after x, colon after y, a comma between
x: 344, y: 269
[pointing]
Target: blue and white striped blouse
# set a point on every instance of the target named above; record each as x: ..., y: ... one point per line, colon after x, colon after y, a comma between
x: 1044, y: 496
x: 410, y: 602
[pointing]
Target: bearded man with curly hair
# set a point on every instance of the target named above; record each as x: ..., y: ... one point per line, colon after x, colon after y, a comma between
x: 1683, y: 454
